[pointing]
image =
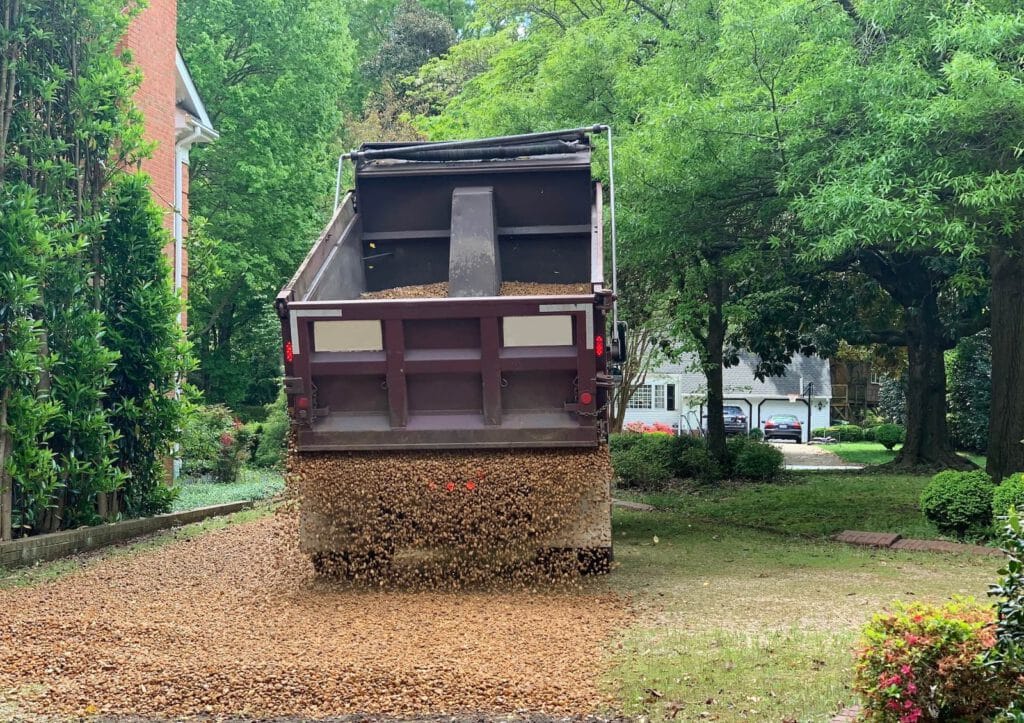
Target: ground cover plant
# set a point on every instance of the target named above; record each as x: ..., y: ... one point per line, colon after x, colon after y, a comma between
x: 253, y: 484
x: 873, y: 453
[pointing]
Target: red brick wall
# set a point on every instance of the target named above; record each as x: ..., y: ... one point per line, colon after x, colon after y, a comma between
x: 152, y: 39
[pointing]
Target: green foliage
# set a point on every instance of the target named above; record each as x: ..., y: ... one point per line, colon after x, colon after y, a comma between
x: 756, y: 434
x: 759, y: 462
x: 80, y: 404
x: 889, y: 435
x: 959, y: 503
x: 141, y: 308
x: 647, y: 462
x: 870, y: 434
x: 845, y: 433
x: 696, y: 462
x: 819, y: 432
x: 892, y: 400
x: 618, y: 443
x: 273, y: 438
x: 201, y: 445
x: 1007, y: 657
x: 273, y: 76
x: 1008, y: 493
x: 922, y: 662
x: 970, y: 392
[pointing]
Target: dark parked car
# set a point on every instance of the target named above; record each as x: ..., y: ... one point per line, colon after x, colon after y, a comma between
x: 783, y: 426
x: 735, y: 420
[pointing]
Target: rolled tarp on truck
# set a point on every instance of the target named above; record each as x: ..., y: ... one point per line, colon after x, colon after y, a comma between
x: 456, y: 306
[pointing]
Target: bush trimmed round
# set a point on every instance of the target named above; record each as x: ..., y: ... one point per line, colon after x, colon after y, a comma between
x: 889, y: 435
x: 819, y: 432
x: 959, y: 503
x: 761, y: 462
x: 869, y: 434
x: 1009, y: 492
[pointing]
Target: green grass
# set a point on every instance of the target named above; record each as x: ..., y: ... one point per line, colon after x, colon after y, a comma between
x: 873, y: 453
x: 253, y: 484
x: 816, y: 504
x: 46, y: 571
x: 737, y: 624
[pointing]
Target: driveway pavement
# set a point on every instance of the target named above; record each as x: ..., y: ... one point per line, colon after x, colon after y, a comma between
x: 811, y: 457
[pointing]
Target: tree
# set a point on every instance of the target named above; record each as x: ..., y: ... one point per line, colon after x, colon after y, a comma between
x: 140, y: 308
x: 274, y: 77
x: 69, y: 128
x: 970, y: 392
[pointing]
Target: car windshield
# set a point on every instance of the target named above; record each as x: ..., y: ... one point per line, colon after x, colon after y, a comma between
x: 732, y: 410
x: 782, y: 418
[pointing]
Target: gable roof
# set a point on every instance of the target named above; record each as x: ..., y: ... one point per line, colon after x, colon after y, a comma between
x: 187, y: 98
x: 739, y: 380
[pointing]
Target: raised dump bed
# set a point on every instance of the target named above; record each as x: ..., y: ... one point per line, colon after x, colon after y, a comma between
x: 455, y: 300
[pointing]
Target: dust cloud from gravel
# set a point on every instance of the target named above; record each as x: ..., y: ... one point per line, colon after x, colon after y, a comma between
x: 458, y: 516
x: 234, y: 623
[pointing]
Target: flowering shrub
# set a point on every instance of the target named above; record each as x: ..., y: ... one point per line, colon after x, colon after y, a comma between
x: 656, y: 428
x: 921, y: 663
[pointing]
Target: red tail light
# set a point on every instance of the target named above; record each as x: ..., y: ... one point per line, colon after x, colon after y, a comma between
x: 769, y: 425
x: 599, y: 345
x: 289, y: 354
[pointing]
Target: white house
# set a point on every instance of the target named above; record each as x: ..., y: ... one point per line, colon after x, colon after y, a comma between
x: 676, y: 394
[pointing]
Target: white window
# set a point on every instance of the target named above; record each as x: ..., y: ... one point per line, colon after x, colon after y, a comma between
x: 659, y: 396
x: 641, y: 398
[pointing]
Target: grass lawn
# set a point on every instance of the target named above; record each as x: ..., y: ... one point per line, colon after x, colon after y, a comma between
x: 736, y: 624
x: 814, y: 504
x: 253, y: 484
x: 871, y: 453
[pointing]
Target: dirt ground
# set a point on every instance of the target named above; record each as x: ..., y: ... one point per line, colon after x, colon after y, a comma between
x: 232, y: 623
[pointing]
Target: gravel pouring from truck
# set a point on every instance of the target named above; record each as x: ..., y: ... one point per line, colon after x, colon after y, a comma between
x: 372, y: 376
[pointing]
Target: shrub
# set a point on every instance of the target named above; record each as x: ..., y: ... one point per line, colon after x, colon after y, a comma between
x: 923, y: 662
x: 820, y: 432
x: 889, y: 435
x: 959, y: 503
x: 756, y: 433
x: 656, y: 428
x: 1009, y: 493
x: 696, y: 462
x: 618, y: 443
x: 850, y: 433
x: 273, y: 437
x: 214, y: 443
x: 761, y: 462
x: 1007, y: 657
x: 646, y: 462
x: 869, y: 434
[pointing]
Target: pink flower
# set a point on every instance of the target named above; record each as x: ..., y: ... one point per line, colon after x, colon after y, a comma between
x: 906, y: 670
x: 226, y: 439
x: 911, y: 688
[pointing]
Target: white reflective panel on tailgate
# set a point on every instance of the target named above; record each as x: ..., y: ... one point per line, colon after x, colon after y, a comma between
x: 538, y: 330
x: 347, y: 336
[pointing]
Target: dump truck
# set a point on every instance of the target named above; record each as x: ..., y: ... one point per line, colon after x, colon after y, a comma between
x: 448, y: 355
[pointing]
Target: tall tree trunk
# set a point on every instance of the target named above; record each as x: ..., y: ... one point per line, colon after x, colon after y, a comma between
x: 1006, y: 419
x: 928, y: 443
x: 711, y: 360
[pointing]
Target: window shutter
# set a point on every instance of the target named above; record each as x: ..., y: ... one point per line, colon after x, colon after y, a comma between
x: 670, y: 397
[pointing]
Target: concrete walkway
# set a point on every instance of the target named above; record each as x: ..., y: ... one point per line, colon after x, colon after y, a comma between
x: 811, y: 457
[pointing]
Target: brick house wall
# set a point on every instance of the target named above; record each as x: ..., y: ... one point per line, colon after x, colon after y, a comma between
x: 173, y: 114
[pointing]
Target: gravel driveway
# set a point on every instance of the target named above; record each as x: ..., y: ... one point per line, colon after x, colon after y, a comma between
x: 811, y: 456
x: 231, y: 623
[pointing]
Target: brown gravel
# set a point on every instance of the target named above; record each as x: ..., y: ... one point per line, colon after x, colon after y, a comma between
x: 508, y: 288
x: 234, y: 623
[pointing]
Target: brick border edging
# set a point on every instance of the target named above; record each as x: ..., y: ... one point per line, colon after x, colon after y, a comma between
x: 44, y: 548
x: 847, y: 715
x: 893, y: 541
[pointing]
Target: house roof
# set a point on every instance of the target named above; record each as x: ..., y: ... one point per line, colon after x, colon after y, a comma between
x: 187, y: 98
x: 739, y: 380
